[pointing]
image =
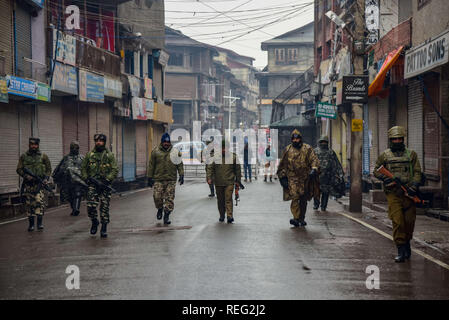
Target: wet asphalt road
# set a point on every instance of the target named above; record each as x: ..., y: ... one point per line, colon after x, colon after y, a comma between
x: 258, y: 257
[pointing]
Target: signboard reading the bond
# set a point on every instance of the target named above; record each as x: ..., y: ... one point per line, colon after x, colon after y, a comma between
x: 91, y: 87
x: 325, y: 110
x: 427, y: 56
x: 355, y: 89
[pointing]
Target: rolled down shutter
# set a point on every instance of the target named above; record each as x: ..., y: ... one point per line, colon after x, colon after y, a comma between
x: 99, y: 121
x: 69, y: 124
x: 9, y: 155
x: 83, y: 128
x: 415, y: 118
x: 373, y: 139
x: 50, y: 132
x: 141, y: 148
x: 366, y: 158
x: 432, y: 129
x: 6, y: 51
x: 23, y: 41
x: 117, y: 143
x: 129, y: 150
x: 383, y: 123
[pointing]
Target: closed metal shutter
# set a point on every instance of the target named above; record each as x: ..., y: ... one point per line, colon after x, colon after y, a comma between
x: 9, y: 155
x: 432, y: 129
x: 26, y: 115
x: 141, y: 148
x: 99, y: 122
x: 23, y: 41
x: 50, y: 131
x: 383, y: 123
x: 129, y: 150
x: 69, y: 124
x: 415, y: 118
x: 373, y: 136
x: 6, y: 48
x: 117, y: 143
x: 83, y: 127
x: 366, y: 158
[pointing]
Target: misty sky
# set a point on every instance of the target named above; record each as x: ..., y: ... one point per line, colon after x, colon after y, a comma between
x: 241, y: 26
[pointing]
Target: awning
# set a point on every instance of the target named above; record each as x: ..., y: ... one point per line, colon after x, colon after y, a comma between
x: 376, y: 86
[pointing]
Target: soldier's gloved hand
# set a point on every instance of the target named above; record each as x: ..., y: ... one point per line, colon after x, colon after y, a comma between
x: 284, y: 182
x: 313, y: 173
x: 413, y: 190
x: 150, y: 182
x: 181, y: 180
x: 389, y: 182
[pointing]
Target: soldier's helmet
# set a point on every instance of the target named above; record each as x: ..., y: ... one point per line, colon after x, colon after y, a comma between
x: 396, y: 132
x: 324, y: 138
x: 296, y: 134
x: 34, y: 140
x: 74, y: 144
x: 100, y: 136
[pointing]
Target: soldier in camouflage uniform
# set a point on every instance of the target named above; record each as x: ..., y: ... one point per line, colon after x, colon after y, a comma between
x: 39, y: 164
x: 331, y: 173
x: 211, y: 155
x: 163, y: 168
x: 298, y: 175
x: 99, y: 164
x: 68, y: 176
x: 225, y: 177
x: 404, y: 165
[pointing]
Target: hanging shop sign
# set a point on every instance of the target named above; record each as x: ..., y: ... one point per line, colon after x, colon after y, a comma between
x: 65, y: 79
x: 357, y: 125
x: 135, y: 86
x: 372, y: 21
x: 355, y: 89
x: 148, y: 88
x: 149, y: 107
x: 3, y: 90
x: 427, y: 56
x: 325, y: 110
x: 112, y: 87
x: 21, y: 87
x: 66, y: 51
x: 91, y: 87
x: 139, y: 108
x: 43, y: 92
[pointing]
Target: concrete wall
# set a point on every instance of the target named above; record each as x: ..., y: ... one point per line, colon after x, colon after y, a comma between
x: 423, y: 28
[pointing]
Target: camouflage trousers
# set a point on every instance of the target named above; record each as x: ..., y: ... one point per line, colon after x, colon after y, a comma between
x: 402, y: 212
x: 298, y: 207
x: 164, y: 195
x: 224, y: 200
x: 34, y: 201
x: 97, y: 197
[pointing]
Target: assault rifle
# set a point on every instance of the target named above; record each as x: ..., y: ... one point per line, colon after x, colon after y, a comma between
x: 237, y: 187
x: 388, y: 174
x: 39, y: 180
x: 100, y: 184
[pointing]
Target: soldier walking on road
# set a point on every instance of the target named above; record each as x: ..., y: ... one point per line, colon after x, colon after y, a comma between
x: 331, y: 173
x: 298, y: 175
x: 99, y: 169
x: 211, y: 155
x: 162, y: 173
x: 406, y: 169
x: 68, y: 176
x: 39, y: 166
x: 225, y: 177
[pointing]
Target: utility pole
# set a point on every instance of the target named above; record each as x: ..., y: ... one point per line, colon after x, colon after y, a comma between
x: 355, y: 197
x: 231, y: 101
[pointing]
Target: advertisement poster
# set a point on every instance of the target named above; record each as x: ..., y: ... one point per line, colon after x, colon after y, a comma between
x: 91, y: 87
x: 65, y: 79
x: 3, y: 90
x: 139, y: 111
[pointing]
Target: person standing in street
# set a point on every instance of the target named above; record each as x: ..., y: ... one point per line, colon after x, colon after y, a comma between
x: 38, y: 167
x: 246, y: 161
x: 211, y: 155
x: 331, y: 173
x: 298, y: 175
x: 68, y: 176
x: 99, y: 169
x: 162, y: 174
x: 225, y: 177
x: 406, y: 169
x: 270, y: 163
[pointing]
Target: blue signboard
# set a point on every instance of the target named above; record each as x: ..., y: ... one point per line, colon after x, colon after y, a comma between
x: 22, y: 87
x: 65, y: 79
x: 39, y: 3
x: 91, y: 87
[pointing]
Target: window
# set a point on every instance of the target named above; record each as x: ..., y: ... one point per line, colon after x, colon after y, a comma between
x: 129, y: 62
x: 176, y: 59
x: 280, y: 55
x: 292, y: 56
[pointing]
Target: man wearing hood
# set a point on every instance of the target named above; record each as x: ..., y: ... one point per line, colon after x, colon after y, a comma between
x: 331, y: 173
x: 68, y: 176
x: 406, y: 169
x: 99, y: 164
x: 298, y: 175
x: 39, y: 164
x: 164, y: 165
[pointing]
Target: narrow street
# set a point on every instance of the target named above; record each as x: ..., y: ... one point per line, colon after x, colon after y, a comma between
x: 259, y: 257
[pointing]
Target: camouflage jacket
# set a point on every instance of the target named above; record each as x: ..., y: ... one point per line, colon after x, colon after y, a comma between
x: 38, y: 163
x: 161, y: 167
x: 223, y: 174
x: 331, y: 171
x: 99, y: 165
x: 68, y: 170
x: 296, y: 165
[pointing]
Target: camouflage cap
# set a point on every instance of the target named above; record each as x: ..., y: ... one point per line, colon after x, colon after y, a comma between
x: 74, y: 143
x: 100, y: 136
x: 324, y: 138
x: 34, y: 140
x: 296, y: 134
x: 396, y: 132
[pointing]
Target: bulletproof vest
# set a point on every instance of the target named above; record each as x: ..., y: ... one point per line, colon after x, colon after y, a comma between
x: 324, y: 156
x: 35, y: 164
x: 399, y: 166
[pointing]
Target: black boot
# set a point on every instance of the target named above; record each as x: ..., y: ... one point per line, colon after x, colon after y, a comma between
x: 93, y: 229
x: 230, y: 220
x: 76, y: 207
x: 159, y: 214
x: 31, y: 225
x: 166, y: 217
x: 265, y: 179
x: 294, y: 222
x: 103, y: 231
x: 408, y: 250
x: 222, y: 217
x: 401, y: 253
x: 39, y: 222
x: 271, y: 179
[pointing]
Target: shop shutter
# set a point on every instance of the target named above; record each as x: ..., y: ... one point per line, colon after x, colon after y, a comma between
x: 69, y: 124
x: 104, y: 120
x: 141, y: 148
x: 117, y: 143
x: 383, y: 123
x: 83, y: 127
x: 50, y: 131
x: 6, y: 48
x: 129, y: 150
x: 373, y: 135
x: 432, y: 128
x: 415, y: 118
x: 9, y: 155
x: 366, y: 158
x: 23, y: 41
